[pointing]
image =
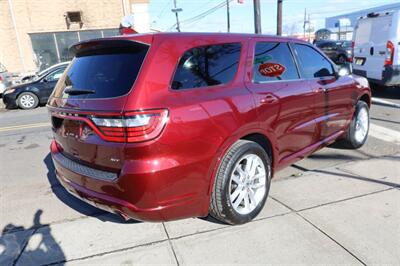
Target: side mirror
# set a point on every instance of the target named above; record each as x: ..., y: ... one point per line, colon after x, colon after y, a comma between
x: 44, y: 80
x: 345, y: 70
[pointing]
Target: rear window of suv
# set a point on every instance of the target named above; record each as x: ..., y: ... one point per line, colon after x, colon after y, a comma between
x: 104, y: 70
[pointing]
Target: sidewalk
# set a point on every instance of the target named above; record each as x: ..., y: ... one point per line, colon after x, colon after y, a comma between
x: 347, y: 214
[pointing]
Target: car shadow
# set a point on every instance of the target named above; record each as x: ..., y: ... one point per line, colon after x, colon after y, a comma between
x: 78, y: 205
x: 385, y: 92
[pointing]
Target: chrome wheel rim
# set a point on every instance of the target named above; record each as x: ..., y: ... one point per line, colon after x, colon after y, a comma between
x: 362, y: 125
x: 27, y: 101
x: 247, y: 184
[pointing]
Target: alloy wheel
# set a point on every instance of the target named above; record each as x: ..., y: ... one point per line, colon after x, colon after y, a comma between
x: 27, y: 101
x: 362, y: 125
x: 247, y: 184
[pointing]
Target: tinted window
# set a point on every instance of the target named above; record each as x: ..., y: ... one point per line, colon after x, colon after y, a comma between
x: 105, y: 70
x: 56, y: 75
x: 326, y: 45
x: 273, y: 61
x: 207, y: 66
x: 313, y: 64
x: 346, y: 44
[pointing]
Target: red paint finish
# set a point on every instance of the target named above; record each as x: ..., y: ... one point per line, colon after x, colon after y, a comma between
x: 171, y: 176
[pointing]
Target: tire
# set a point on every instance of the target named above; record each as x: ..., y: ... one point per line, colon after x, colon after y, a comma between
x: 341, y: 59
x: 357, y: 133
x: 27, y: 100
x: 237, y: 196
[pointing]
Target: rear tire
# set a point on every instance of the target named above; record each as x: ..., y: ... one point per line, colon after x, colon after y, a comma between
x: 27, y: 100
x: 357, y: 133
x: 242, y: 183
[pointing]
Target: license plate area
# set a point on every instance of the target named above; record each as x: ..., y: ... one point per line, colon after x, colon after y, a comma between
x: 360, y: 61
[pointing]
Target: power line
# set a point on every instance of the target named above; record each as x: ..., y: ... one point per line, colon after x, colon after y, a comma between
x: 163, y: 9
x: 203, y: 14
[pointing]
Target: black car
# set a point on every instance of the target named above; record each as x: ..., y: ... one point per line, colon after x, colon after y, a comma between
x: 30, y: 95
x: 339, y: 52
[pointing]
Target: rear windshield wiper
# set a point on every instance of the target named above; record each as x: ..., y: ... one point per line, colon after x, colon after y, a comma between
x: 71, y: 91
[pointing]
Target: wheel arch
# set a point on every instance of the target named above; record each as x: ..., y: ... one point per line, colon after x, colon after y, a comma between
x: 365, y: 98
x: 265, y: 141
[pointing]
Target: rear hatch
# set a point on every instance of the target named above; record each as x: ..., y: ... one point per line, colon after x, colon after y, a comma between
x: 87, y: 104
x: 370, y: 39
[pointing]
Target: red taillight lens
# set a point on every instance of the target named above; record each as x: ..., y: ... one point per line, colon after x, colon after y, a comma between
x: 132, y: 126
x: 389, y: 53
x: 352, y: 52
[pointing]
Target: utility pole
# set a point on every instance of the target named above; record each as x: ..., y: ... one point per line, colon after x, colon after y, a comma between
x: 176, y: 10
x: 305, y: 22
x: 279, y: 19
x: 228, y: 16
x: 309, y: 28
x: 257, y: 16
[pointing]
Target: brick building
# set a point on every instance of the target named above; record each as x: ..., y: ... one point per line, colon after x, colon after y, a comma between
x: 35, y: 34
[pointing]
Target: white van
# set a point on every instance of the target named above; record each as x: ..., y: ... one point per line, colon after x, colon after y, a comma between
x: 376, y: 48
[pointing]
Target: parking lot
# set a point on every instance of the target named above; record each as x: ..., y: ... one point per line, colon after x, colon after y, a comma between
x: 335, y: 207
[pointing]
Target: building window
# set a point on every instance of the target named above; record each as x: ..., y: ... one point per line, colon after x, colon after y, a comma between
x: 44, y: 49
x: 52, y: 48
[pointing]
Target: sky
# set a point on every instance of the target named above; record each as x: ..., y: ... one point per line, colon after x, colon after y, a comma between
x: 241, y: 15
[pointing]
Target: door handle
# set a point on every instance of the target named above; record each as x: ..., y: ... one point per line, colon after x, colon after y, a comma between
x: 371, y: 51
x: 268, y: 99
x: 323, y: 89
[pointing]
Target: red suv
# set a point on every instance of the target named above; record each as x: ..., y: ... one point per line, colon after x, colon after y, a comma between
x: 166, y: 126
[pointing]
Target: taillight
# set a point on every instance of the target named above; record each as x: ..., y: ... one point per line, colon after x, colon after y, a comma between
x: 1, y: 78
x: 350, y: 59
x: 132, y: 126
x: 389, y: 53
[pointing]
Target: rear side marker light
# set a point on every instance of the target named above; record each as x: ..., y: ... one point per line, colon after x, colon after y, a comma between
x: 132, y: 126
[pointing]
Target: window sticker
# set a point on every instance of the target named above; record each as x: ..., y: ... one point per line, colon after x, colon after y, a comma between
x: 271, y: 69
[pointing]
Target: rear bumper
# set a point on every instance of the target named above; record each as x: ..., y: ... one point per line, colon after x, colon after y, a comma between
x: 136, y: 199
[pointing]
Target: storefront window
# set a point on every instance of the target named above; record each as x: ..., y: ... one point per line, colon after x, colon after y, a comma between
x: 110, y: 33
x: 90, y: 34
x: 52, y: 48
x: 64, y: 41
x: 44, y: 49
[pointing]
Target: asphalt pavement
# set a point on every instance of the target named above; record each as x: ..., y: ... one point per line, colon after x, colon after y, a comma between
x: 335, y: 207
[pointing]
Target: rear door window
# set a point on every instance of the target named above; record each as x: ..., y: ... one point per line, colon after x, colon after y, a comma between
x: 312, y: 63
x: 273, y: 61
x: 206, y: 66
x: 105, y: 70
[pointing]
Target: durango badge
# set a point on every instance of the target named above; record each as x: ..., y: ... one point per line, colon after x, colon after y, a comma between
x: 271, y: 69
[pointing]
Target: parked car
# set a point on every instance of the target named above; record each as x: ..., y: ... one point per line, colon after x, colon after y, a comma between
x: 44, y: 72
x: 30, y: 95
x: 4, y: 79
x: 376, y: 48
x: 339, y: 52
x: 166, y: 126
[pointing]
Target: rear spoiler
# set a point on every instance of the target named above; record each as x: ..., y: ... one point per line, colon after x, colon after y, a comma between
x: 102, y: 46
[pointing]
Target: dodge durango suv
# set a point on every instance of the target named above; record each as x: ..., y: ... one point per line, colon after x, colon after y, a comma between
x: 166, y: 126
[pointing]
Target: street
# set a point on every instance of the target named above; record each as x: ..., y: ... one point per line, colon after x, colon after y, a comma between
x: 335, y: 207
